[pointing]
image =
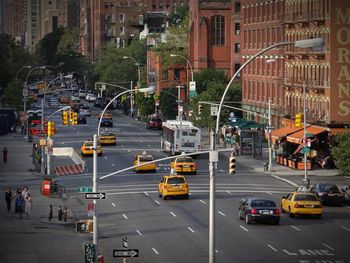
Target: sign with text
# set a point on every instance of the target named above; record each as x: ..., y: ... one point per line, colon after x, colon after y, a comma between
x: 95, y: 195
x: 125, y: 253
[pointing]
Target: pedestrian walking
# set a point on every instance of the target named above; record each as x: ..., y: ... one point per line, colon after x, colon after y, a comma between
x: 28, y: 205
x: 20, y: 204
x: 14, y: 129
x: 25, y: 192
x: 4, y: 155
x: 8, y: 200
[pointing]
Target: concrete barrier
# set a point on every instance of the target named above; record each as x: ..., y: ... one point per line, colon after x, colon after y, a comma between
x: 79, y: 164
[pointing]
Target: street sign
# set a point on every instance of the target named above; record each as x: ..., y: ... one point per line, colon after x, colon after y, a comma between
x: 90, y: 253
x: 85, y: 189
x: 125, y: 253
x: 25, y: 92
x: 214, y: 110
x: 270, y: 127
x: 95, y: 195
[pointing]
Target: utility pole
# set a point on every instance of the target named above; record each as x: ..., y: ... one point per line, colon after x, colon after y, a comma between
x: 270, y: 139
x: 131, y: 100
x: 94, y: 189
x: 306, y: 179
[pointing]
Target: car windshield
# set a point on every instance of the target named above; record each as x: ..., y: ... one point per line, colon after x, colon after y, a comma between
x: 85, y: 108
x: 88, y: 144
x: 328, y: 188
x: 184, y: 160
x: 176, y: 180
x: 106, y: 119
x: 156, y: 120
x: 263, y: 203
x: 146, y: 158
x: 305, y: 197
x: 107, y: 134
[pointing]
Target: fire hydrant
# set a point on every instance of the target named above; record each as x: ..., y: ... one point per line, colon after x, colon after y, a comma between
x: 60, y: 213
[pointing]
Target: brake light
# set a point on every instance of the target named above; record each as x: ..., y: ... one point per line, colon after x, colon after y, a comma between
x: 296, y: 205
x: 193, y: 165
x: 177, y: 165
x: 165, y: 186
x: 277, y: 211
x: 254, y: 211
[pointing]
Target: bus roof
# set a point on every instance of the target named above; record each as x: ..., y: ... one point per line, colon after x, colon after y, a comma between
x: 178, y: 123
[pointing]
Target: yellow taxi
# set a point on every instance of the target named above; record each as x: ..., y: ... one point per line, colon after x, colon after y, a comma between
x: 107, y: 114
x: 144, y: 158
x: 301, y: 203
x: 86, y: 148
x: 108, y: 138
x: 184, y: 164
x: 173, y: 185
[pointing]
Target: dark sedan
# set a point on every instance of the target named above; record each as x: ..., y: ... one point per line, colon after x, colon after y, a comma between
x: 329, y: 194
x: 106, y: 122
x: 81, y: 119
x: 259, y: 209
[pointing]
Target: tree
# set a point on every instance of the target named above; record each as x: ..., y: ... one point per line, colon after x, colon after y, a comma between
x: 144, y: 104
x: 168, y: 104
x: 204, y: 76
x: 13, y: 95
x: 341, y: 152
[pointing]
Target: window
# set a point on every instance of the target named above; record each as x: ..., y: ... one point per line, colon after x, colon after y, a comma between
x: 165, y: 75
x: 237, y: 66
x: 121, y: 30
x: 237, y: 28
x: 237, y: 7
x: 237, y: 47
x: 218, y: 30
x: 176, y: 74
x: 121, y: 17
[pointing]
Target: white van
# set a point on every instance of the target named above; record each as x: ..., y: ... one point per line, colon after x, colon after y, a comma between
x: 82, y: 93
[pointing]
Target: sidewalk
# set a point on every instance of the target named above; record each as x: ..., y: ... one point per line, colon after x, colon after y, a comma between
x: 34, y: 239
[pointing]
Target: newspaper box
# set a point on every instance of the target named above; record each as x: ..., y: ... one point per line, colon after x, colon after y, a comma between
x: 46, y: 187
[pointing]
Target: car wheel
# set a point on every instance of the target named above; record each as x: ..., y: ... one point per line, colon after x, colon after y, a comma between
x: 194, y: 172
x: 319, y: 216
x: 186, y: 196
x: 247, y: 219
x: 82, y: 154
x: 159, y: 195
x: 276, y: 221
x: 100, y: 154
x: 240, y: 214
x: 164, y: 197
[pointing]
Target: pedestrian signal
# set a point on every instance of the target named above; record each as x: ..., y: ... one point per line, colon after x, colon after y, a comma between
x: 298, y: 120
x: 199, y: 109
x: 65, y: 117
x: 232, y: 164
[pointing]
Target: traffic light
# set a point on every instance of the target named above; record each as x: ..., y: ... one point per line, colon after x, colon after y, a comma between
x: 299, y: 120
x: 75, y: 118
x: 71, y: 117
x: 65, y: 117
x: 199, y: 109
x: 232, y: 164
x: 50, y: 128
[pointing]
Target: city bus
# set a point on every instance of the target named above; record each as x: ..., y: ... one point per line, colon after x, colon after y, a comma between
x: 180, y: 136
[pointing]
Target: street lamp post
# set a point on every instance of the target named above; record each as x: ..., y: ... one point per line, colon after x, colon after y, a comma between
x: 188, y: 62
x: 42, y: 170
x: 306, y: 180
x: 21, y: 70
x: 308, y: 43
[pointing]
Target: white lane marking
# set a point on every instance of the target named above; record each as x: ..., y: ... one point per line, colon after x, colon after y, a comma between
x: 113, y: 204
x: 329, y: 247
x: 125, y: 216
x: 285, y: 180
x: 148, y: 145
x: 216, y: 251
x: 141, y: 141
x: 243, y: 228
x: 347, y: 207
x: 295, y: 228
x: 222, y: 170
x: 158, y: 151
x: 200, y: 200
x: 157, y: 202
x: 122, y: 145
x: 228, y: 192
x: 62, y: 142
x: 129, y: 151
x: 105, y: 157
x: 269, y: 193
x: 347, y: 177
x: 146, y: 193
x: 221, y: 213
x: 344, y: 227
x: 173, y: 214
x: 272, y: 247
x: 138, y: 232
x: 155, y: 250
x: 191, y: 229
x: 113, y: 164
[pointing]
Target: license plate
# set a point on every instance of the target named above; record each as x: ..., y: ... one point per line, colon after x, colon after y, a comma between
x: 309, y: 206
x: 265, y: 212
x: 185, y: 166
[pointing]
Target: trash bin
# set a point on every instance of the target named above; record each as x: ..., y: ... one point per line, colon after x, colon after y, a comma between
x: 46, y: 187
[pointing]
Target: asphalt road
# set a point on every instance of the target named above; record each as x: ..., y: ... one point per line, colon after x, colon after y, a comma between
x: 177, y: 230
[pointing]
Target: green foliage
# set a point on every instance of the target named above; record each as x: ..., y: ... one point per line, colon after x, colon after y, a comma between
x: 69, y: 41
x: 204, y: 76
x: 341, y: 152
x: 180, y: 17
x: 168, y: 104
x: 145, y: 104
x: 13, y: 95
x: 12, y: 58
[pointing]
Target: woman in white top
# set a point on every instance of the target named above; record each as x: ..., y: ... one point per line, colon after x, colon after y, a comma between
x: 28, y: 204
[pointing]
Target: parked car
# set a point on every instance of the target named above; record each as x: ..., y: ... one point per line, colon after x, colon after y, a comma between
x: 301, y: 203
x: 82, y: 93
x: 85, y: 111
x: 259, y: 210
x: 329, y: 194
x: 154, y: 122
x: 90, y: 97
x: 173, y: 185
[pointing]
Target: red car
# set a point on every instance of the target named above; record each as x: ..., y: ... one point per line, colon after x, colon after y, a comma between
x: 154, y: 122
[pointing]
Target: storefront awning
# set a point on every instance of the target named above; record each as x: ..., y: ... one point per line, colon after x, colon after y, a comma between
x: 297, y: 137
x: 283, y: 132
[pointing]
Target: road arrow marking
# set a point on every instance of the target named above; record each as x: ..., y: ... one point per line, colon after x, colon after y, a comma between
x: 138, y: 232
x: 155, y: 251
x: 172, y: 214
x: 125, y: 216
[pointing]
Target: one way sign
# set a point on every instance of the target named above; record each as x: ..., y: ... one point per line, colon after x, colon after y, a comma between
x: 126, y: 253
x: 95, y: 195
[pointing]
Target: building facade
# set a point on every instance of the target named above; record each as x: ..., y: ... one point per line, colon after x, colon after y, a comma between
x: 214, y: 35
x: 14, y: 12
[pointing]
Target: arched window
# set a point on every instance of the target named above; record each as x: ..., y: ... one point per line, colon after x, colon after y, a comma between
x: 218, y: 30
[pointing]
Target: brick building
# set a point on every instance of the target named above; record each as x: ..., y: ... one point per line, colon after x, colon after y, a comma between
x: 214, y: 35
x: 14, y: 12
